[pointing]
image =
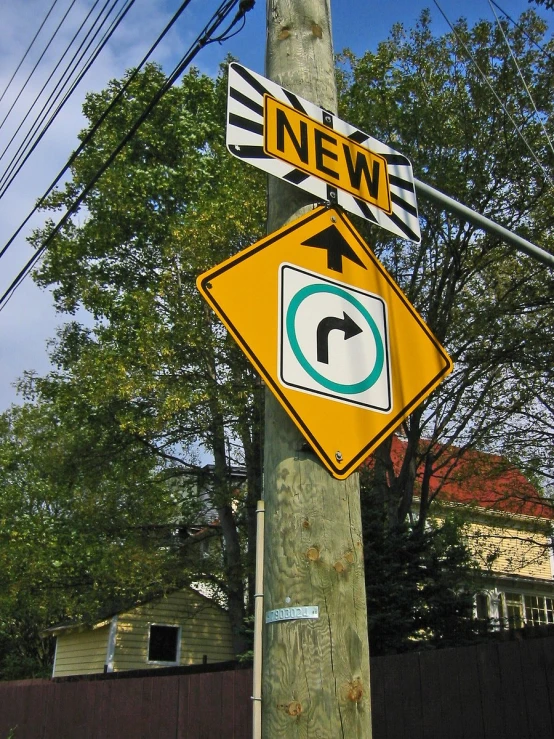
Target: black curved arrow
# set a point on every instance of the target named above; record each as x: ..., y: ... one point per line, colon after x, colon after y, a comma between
x: 329, y: 324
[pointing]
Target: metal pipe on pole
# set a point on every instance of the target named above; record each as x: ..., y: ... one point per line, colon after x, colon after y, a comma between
x: 315, y: 669
x: 258, y: 624
x: 451, y: 205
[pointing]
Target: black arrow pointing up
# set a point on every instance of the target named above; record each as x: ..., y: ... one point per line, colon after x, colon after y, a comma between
x: 337, y: 247
x: 329, y: 324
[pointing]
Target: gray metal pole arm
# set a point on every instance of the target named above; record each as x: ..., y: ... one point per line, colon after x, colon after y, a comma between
x: 485, y: 223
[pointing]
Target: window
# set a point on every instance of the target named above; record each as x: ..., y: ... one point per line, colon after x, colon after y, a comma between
x: 539, y: 610
x: 163, y: 643
x: 482, y: 606
x: 533, y: 610
x: 514, y: 610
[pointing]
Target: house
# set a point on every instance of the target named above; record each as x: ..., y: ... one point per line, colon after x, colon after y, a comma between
x: 181, y: 628
x: 508, y: 526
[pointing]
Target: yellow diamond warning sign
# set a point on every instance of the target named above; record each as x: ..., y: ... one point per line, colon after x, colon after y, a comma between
x: 335, y: 339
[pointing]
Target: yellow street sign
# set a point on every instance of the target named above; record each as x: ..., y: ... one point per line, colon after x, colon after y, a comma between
x: 329, y: 330
x: 320, y: 151
x: 289, y: 137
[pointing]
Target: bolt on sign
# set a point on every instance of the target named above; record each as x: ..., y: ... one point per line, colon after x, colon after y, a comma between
x: 333, y: 336
x: 289, y: 137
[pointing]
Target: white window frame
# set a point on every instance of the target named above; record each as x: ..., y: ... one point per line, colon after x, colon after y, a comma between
x: 178, y: 655
x: 524, y: 607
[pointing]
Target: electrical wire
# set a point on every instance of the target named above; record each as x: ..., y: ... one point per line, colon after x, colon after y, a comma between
x: 28, y: 49
x: 68, y: 47
x: 202, y: 40
x: 520, y: 27
x: 527, y: 90
x: 18, y: 162
x: 38, y: 62
x: 86, y: 140
x: 54, y: 95
x: 491, y: 88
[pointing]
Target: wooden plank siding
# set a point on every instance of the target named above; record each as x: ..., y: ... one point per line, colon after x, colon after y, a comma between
x: 81, y: 653
x: 205, y: 636
x: 507, y: 543
x: 205, y: 631
x: 514, y: 547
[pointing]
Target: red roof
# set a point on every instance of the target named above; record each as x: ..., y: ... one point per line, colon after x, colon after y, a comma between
x: 484, y: 480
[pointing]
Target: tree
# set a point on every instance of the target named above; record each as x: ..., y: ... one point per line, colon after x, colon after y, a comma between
x: 426, y: 96
x: 171, y: 205
x: 88, y: 524
x: 158, y: 375
x: 418, y: 582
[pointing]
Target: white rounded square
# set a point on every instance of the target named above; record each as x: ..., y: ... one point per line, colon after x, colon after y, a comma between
x: 333, y: 340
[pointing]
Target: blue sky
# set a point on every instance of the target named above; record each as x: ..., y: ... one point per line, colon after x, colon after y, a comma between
x: 29, y: 320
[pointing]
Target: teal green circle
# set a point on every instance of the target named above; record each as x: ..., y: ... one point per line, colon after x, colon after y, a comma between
x: 337, y: 387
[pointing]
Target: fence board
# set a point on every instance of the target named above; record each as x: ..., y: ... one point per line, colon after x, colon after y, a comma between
x: 183, y: 707
x: 411, y: 692
x: 99, y: 693
x: 242, y: 680
x: 209, y: 705
x: 228, y: 695
x: 50, y: 722
x: 491, y: 690
x: 533, y: 665
x: 452, y: 709
x: 10, y: 700
x: 378, y: 712
x: 514, y: 707
x: 470, y: 694
x: 165, y: 698
x: 124, y: 709
x: 548, y: 650
x: 195, y: 699
x: 431, y: 697
x: 73, y: 721
x: 392, y: 678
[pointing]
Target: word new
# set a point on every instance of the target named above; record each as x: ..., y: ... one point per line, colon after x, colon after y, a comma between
x: 319, y: 150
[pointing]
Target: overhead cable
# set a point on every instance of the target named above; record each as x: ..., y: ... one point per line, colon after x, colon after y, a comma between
x: 202, y: 40
x: 90, y: 133
x: 38, y: 62
x: 22, y: 155
x: 522, y: 78
x: 498, y: 100
x: 28, y: 50
x: 524, y: 32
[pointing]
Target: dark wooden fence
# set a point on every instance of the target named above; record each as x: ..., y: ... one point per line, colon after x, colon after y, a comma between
x: 501, y: 690
x: 196, y: 706
x: 490, y: 691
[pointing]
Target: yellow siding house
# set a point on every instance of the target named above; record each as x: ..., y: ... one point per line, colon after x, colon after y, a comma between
x: 509, y: 529
x: 182, y: 628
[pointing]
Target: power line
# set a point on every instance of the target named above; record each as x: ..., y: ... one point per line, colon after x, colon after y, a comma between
x: 491, y: 88
x: 38, y: 62
x: 520, y: 27
x: 28, y: 49
x: 202, y: 40
x: 522, y: 78
x: 22, y: 155
x: 97, y: 124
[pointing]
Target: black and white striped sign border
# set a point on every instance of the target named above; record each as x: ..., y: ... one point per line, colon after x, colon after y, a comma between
x: 245, y: 137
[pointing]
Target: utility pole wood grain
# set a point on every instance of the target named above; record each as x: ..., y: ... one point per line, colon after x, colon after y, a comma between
x: 315, y: 671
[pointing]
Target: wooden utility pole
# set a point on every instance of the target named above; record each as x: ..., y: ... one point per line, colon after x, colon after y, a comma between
x: 315, y: 671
